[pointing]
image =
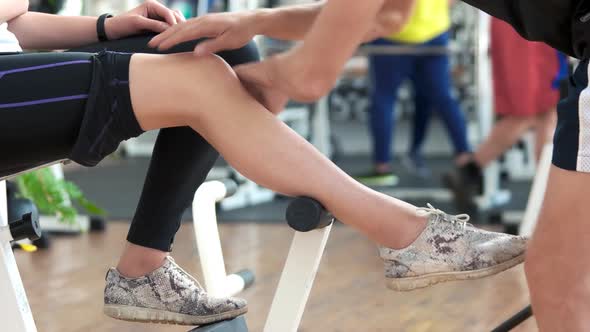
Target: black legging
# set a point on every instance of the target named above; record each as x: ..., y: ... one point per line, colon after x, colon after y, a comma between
x: 181, y: 158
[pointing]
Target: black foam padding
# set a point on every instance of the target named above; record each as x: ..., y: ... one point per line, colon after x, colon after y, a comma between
x: 237, y: 324
x: 305, y: 214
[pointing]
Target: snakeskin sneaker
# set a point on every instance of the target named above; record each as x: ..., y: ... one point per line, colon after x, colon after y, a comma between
x: 167, y: 295
x: 450, y: 249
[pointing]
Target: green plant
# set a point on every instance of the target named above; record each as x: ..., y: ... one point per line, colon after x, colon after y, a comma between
x: 54, y: 196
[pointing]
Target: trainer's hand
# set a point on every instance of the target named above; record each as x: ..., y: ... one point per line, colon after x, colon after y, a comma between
x: 226, y: 31
x: 149, y: 16
x: 280, y: 78
x: 260, y: 79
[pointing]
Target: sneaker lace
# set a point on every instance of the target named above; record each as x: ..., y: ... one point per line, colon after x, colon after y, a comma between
x: 187, y: 281
x: 459, y: 219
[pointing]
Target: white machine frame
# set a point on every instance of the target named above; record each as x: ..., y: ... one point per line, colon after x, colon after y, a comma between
x: 14, y: 306
x: 298, y: 274
x: 217, y: 281
x: 537, y: 193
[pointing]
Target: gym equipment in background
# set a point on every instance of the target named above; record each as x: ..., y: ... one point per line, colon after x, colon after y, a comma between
x: 312, y: 225
x: 51, y: 224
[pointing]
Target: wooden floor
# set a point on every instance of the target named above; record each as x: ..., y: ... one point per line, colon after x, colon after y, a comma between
x: 65, y: 285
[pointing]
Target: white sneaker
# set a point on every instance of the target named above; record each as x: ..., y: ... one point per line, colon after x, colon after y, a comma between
x: 167, y: 295
x: 450, y: 249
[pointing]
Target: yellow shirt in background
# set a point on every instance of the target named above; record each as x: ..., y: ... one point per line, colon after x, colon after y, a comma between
x: 430, y: 19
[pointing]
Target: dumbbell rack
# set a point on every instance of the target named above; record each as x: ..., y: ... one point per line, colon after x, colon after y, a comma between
x: 14, y: 306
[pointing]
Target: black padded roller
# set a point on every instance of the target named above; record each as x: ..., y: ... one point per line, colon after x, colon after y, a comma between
x: 305, y: 214
x: 26, y: 228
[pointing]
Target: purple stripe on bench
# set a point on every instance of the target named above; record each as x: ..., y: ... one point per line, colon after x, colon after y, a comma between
x: 51, y: 65
x: 43, y: 101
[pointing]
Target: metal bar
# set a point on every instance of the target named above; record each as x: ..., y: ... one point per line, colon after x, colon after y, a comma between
x: 296, y: 280
x: 207, y: 236
x: 12, y: 175
x: 537, y: 194
x: 515, y: 320
x: 404, y: 50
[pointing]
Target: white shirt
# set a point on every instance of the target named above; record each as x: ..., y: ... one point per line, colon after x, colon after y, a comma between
x: 8, y: 41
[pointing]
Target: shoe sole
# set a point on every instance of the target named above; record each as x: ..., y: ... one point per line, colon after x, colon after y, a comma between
x: 412, y: 283
x: 146, y: 315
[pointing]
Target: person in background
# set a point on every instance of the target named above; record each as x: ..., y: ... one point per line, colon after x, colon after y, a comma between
x: 430, y: 75
x: 526, y: 90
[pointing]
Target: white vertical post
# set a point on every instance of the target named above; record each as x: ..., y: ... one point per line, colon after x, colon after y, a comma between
x: 492, y: 195
x: 537, y: 194
x: 14, y: 306
x: 296, y: 281
x: 207, y: 235
x: 252, y: 4
x: 202, y: 7
x: 485, y: 109
x: 3, y: 205
x: 320, y: 126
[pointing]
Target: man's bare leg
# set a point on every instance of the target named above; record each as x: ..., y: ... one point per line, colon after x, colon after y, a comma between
x: 557, y: 267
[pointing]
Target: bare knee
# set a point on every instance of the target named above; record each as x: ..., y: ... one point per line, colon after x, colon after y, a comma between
x: 206, y: 74
x: 208, y: 83
x: 170, y: 90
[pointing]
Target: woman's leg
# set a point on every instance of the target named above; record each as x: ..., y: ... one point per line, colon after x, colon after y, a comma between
x: 265, y: 150
x: 166, y: 195
x: 180, y: 163
x: 77, y: 106
x: 259, y: 145
x: 434, y: 247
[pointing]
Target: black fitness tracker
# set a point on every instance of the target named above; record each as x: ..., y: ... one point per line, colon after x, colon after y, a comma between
x: 100, y: 30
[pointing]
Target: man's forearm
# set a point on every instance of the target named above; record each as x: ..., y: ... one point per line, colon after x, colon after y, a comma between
x: 288, y: 23
x: 45, y: 31
x: 333, y: 39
